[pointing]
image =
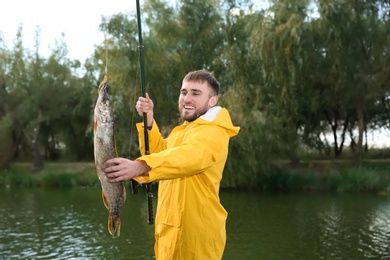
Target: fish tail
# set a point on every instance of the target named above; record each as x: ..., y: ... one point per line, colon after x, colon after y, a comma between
x: 114, y: 224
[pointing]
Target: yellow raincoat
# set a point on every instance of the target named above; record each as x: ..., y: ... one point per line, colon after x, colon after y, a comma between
x: 190, y: 220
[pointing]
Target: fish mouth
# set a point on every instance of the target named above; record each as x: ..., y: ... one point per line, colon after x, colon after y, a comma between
x: 103, y: 84
x: 102, y: 87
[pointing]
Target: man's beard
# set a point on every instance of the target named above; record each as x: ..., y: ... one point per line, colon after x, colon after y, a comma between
x: 198, y: 113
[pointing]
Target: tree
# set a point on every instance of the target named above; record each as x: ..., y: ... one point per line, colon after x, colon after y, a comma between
x: 356, y: 48
x: 280, y: 46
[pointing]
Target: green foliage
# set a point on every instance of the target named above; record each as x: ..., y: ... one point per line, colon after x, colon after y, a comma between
x: 53, y: 175
x: 51, y: 180
x: 47, y: 107
x: 5, y: 140
x: 9, y: 178
x: 280, y: 180
x: 358, y: 180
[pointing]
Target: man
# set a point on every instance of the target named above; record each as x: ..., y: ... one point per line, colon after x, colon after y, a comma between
x: 190, y: 220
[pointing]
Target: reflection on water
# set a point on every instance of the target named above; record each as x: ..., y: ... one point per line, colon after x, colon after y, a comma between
x: 307, y: 226
x: 64, y: 224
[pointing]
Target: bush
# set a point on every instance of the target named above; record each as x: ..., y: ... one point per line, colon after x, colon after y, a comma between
x: 9, y: 178
x: 61, y: 180
x: 357, y: 180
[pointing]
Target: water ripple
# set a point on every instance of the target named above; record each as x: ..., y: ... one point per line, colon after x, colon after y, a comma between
x: 73, y: 225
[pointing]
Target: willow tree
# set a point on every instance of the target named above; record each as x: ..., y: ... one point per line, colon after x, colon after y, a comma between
x: 162, y: 60
x: 201, y: 38
x: 280, y: 45
x: 6, y: 140
x: 250, y: 152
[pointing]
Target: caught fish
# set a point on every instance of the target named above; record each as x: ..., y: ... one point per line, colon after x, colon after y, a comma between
x: 113, y: 194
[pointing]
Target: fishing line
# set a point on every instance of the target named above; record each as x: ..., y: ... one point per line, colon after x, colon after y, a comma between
x: 106, y: 68
x: 105, y: 78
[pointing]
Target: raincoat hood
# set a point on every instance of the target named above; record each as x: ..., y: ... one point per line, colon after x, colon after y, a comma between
x: 219, y: 116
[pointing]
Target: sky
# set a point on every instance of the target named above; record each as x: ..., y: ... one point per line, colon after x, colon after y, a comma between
x: 79, y: 20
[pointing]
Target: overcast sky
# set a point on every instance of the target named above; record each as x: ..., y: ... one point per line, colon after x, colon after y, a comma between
x: 78, y: 19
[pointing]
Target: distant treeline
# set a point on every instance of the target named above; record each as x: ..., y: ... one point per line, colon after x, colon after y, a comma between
x: 290, y: 74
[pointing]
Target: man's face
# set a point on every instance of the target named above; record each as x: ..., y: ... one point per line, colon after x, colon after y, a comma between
x: 195, y: 100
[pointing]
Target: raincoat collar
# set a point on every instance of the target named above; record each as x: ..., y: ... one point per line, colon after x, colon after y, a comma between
x: 217, y: 116
x: 211, y: 114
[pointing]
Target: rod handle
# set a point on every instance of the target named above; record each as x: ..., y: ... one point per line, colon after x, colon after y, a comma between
x: 149, y: 194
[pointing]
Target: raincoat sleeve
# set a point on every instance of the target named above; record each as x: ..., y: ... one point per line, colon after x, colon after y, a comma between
x: 156, y: 141
x: 204, y: 146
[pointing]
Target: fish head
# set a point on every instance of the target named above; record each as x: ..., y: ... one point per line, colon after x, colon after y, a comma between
x: 104, y: 106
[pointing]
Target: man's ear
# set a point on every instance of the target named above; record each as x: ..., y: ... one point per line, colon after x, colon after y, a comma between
x: 213, y: 101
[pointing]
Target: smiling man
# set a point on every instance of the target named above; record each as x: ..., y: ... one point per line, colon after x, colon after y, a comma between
x: 196, y: 97
x: 190, y: 220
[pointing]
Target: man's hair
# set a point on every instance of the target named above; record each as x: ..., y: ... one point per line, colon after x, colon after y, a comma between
x: 202, y: 76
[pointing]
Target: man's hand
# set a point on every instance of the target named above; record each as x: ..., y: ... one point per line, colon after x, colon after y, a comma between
x: 145, y: 105
x: 122, y: 169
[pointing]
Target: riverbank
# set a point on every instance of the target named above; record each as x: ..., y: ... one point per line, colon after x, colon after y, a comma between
x: 313, y: 175
x: 53, y: 174
x: 332, y: 175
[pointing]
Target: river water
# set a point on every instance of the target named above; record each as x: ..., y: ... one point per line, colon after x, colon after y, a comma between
x: 72, y: 224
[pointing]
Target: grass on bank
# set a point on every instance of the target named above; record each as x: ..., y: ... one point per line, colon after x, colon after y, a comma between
x: 54, y: 175
x: 338, y: 176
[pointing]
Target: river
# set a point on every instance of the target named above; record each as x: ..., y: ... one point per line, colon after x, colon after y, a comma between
x: 72, y: 224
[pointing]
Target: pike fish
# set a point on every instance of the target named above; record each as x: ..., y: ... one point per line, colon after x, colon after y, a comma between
x: 113, y: 194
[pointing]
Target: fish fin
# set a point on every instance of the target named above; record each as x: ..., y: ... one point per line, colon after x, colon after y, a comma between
x: 115, y: 148
x: 105, y: 201
x: 124, y: 194
x: 95, y: 126
x: 114, y: 224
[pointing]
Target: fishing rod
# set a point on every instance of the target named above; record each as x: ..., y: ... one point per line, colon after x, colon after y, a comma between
x: 134, y: 183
